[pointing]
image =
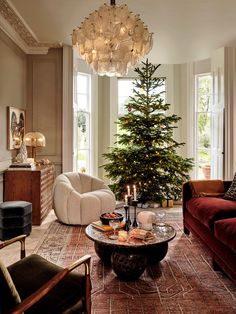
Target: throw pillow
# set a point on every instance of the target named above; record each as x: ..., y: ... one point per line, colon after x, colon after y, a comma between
x: 9, y: 296
x: 202, y: 188
x: 231, y: 193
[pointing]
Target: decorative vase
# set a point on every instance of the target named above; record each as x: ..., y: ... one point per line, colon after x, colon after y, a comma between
x: 22, y: 156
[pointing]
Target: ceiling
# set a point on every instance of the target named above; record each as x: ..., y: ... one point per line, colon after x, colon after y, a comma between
x: 184, y: 30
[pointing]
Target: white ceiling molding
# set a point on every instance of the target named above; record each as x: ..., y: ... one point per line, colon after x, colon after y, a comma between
x: 15, y: 28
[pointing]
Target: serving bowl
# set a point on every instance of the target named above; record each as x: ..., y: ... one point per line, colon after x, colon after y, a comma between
x: 106, y: 217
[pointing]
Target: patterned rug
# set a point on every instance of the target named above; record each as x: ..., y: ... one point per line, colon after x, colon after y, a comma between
x: 183, y: 282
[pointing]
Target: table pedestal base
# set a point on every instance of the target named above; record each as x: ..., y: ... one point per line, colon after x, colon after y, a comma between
x: 128, y: 266
x: 127, y: 263
x: 157, y: 253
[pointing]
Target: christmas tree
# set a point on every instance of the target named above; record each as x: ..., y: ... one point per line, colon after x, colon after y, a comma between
x: 145, y: 154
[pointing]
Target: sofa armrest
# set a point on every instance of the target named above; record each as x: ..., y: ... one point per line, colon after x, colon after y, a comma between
x: 186, y: 194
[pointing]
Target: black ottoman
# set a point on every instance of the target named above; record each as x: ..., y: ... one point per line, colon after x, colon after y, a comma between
x: 15, y: 219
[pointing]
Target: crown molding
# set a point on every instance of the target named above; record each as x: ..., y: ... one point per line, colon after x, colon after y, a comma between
x: 15, y: 28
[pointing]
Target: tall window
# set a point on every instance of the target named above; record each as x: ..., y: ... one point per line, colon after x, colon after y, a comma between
x: 82, y: 122
x: 125, y: 90
x: 204, y: 125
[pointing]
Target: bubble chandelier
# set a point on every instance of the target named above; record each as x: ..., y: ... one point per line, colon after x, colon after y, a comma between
x: 112, y: 39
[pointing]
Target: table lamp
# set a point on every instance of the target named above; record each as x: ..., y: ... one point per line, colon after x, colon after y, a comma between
x: 34, y: 140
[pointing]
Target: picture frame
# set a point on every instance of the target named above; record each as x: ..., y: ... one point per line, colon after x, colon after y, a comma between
x: 15, y: 127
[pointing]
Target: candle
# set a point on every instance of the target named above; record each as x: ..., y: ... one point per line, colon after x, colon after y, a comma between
x: 135, y: 193
x: 126, y: 199
x: 128, y: 190
x: 122, y: 235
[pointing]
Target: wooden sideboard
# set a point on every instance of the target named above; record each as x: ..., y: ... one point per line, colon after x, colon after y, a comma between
x: 33, y: 186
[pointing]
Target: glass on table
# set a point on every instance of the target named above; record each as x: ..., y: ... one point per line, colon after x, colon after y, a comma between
x: 114, y: 223
x: 160, y: 220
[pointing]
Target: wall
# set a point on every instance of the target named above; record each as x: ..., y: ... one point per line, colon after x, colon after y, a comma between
x: 33, y: 83
x: 12, y: 93
x: 44, y: 103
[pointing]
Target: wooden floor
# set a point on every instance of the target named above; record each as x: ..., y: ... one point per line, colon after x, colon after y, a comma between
x: 11, y: 254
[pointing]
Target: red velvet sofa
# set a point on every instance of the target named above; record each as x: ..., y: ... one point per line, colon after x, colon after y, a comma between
x: 213, y: 221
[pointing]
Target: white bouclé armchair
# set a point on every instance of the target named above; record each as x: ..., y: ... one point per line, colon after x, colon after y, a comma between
x: 79, y: 199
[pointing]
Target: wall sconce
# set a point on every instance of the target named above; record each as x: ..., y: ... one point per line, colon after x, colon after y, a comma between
x: 34, y: 140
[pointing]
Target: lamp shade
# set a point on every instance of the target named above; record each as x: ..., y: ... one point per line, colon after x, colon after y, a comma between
x: 34, y: 139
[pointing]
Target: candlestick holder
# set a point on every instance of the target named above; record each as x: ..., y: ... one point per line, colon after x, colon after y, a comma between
x: 134, y: 204
x: 129, y: 200
x: 127, y: 218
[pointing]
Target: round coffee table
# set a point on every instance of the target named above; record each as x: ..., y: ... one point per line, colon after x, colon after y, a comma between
x: 129, y: 259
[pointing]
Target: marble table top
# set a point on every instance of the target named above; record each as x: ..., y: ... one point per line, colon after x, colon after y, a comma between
x: 160, y: 236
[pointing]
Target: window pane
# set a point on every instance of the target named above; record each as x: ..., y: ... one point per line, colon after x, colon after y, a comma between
x: 82, y: 145
x: 204, y: 99
x: 83, y: 102
x: 82, y: 83
x: 204, y: 103
x: 83, y: 130
x: 83, y: 161
x: 204, y: 156
x: 204, y: 129
x: 125, y: 87
x: 204, y: 164
x: 125, y: 90
x: 205, y: 84
x: 123, y: 101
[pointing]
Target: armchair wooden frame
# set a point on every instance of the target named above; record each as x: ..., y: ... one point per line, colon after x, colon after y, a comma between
x: 37, y: 295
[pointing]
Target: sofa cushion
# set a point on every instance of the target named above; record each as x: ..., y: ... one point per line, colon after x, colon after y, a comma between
x: 209, y: 209
x: 231, y: 192
x: 225, y: 231
x: 208, y: 188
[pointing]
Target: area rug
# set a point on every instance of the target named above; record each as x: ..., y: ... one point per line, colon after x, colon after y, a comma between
x: 183, y: 282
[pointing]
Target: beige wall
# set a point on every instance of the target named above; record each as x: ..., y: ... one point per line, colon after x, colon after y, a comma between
x: 33, y: 83
x: 44, y: 103
x: 12, y: 93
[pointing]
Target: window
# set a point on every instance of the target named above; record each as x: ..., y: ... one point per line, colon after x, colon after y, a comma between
x: 204, y: 129
x: 125, y: 90
x: 82, y: 122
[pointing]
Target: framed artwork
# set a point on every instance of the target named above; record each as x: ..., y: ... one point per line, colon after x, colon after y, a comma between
x: 15, y: 127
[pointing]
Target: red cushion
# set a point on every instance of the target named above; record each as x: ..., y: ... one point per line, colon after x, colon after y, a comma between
x: 225, y: 231
x: 209, y: 209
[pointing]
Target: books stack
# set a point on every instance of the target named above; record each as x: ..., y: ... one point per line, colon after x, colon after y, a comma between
x: 22, y: 166
x: 98, y: 224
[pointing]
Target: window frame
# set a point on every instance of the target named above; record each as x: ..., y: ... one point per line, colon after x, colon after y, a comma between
x: 88, y: 112
x: 197, y: 112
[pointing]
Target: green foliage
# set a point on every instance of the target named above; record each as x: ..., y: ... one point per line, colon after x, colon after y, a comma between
x: 81, y: 121
x: 145, y: 154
